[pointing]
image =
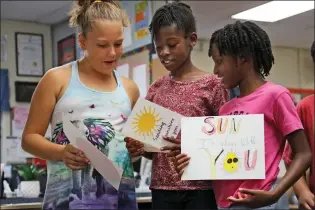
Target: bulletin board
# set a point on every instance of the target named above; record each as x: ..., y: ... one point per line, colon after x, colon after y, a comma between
x: 134, y: 59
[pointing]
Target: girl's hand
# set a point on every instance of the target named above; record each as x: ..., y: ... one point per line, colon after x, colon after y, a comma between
x: 134, y: 147
x: 307, y: 200
x: 253, y: 198
x: 172, y: 150
x: 74, y: 158
x: 180, y: 162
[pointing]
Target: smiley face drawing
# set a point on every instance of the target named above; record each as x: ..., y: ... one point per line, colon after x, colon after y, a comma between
x: 231, y: 162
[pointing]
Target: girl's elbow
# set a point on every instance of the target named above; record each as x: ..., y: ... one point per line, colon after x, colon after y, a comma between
x: 308, y: 157
x: 24, y: 142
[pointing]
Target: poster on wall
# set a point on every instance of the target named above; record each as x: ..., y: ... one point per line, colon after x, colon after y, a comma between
x: 127, y: 37
x: 123, y: 70
x: 66, y: 50
x: 19, y: 118
x: 224, y: 147
x: 139, y: 76
x: 29, y: 54
x: 141, y: 19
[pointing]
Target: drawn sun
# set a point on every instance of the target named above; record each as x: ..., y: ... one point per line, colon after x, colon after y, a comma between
x: 231, y: 162
x: 146, y: 122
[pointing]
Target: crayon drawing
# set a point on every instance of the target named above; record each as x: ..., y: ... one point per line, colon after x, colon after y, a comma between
x: 224, y: 147
x: 149, y: 122
x: 146, y: 121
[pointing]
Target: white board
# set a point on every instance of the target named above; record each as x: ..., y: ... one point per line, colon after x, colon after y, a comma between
x: 224, y: 147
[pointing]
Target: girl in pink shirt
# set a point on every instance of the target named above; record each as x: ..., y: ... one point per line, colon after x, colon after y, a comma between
x: 186, y: 90
x: 243, y: 57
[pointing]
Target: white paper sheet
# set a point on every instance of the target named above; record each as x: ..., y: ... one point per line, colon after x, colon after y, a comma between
x: 12, y: 152
x: 224, y: 147
x: 149, y: 122
x: 100, y: 161
x: 139, y: 75
x: 127, y: 37
x: 102, y: 164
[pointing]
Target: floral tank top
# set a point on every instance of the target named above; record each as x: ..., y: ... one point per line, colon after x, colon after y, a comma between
x: 97, y: 115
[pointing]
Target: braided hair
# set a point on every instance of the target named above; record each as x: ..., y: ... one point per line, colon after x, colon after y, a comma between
x: 245, y: 40
x: 173, y: 14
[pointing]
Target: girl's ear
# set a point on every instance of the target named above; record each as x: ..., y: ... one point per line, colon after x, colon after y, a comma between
x: 193, y: 39
x: 82, y: 40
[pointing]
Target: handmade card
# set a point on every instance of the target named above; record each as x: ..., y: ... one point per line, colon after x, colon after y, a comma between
x: 149, y: 122
x: 224, y: 147
x: 100, y: 161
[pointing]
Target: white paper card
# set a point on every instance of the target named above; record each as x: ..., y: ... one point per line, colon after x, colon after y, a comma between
x: 149, y: 122
x: 99, y: 160
x: 224, y: 147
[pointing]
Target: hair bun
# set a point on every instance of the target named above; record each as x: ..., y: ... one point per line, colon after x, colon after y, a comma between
x: 184, y: 5
x: 89, y: 2
x: 81, y: 2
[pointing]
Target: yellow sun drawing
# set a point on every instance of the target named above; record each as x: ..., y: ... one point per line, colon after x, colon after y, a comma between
x: 231, y: 162
x: 146, y: 121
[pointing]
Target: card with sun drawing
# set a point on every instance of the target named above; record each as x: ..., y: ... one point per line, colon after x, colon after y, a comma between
x: 149, y: 122
x: 224, y: 147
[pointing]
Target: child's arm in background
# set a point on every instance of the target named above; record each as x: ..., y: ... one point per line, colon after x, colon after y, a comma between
x: 288, y: 122
x: 301, y: 189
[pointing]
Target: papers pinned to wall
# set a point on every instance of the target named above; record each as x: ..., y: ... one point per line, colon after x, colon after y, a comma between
x: 123, y: 70
x: 20, y: 114
x: 139, y: 75
x: 12, y: 152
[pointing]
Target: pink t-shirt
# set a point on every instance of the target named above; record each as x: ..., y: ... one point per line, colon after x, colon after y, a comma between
x: 280, y: 119
x: 202, y: 97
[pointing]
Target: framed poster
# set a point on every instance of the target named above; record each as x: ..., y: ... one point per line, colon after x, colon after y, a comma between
x: 29, y: 50
x: 24, y: 91
x: 66, y: 50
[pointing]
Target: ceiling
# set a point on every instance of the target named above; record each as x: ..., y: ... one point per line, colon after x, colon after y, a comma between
x: 46, y: 12
x: 296, y: 31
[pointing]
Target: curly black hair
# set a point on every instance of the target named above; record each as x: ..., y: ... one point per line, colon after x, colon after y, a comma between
x: 245, y: 40
x: 313, y: 51
x: 174, y: 13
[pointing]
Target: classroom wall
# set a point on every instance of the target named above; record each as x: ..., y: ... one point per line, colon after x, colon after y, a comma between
x: 293, y: 67
x: 60, y: 31
x: 9, y: 27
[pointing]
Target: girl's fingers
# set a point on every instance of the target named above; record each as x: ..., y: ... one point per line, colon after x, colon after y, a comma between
x: 182, y: 166
x: 74, y: 167
x: 183, y: 169
x: 182, y: 160
x: 75, y: 163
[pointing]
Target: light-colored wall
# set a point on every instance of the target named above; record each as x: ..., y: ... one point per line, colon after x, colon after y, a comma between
x: 293, y: 67
x: 9, y: 28
x: 60, y: 31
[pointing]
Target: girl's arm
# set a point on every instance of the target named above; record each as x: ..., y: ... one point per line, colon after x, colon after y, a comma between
x: 301, y: 161
x: 41, y: 109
